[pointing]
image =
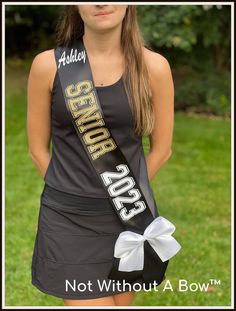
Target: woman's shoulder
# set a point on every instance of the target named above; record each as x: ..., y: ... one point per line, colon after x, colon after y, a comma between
x: 44, y: 59
x: 157, y: 64
x: 44, y: 66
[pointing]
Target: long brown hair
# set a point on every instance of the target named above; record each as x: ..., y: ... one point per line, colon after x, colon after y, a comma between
x: 136, y: 80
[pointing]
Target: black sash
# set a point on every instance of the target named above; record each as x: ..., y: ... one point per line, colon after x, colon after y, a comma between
x: 106, y: 157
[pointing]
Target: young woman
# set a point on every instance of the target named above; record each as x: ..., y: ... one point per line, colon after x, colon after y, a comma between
x: 77, y: 226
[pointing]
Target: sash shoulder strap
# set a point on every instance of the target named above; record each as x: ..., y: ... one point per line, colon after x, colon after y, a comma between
x: 110, y: 164
x: 124, y: 191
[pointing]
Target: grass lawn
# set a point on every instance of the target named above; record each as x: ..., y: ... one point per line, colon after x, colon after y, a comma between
x: 192, y: 190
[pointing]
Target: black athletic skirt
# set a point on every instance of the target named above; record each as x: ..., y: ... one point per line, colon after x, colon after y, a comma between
x: 74, y: 246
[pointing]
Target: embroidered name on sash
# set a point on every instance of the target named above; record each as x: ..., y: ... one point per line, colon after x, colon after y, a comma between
x: 74, y: 56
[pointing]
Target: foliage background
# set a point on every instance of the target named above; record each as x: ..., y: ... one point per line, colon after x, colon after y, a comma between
x: 192, y: 190
x: 194, y: 38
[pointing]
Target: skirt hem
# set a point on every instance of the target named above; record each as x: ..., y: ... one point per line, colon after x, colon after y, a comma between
x: 92, y: 296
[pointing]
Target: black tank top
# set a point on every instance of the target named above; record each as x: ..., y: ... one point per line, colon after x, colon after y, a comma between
x: 70, y: 169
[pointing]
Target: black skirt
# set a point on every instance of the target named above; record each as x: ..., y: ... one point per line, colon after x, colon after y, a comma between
x: 74, y: 246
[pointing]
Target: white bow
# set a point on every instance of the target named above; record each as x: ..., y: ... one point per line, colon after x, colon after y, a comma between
x: 129, y: 245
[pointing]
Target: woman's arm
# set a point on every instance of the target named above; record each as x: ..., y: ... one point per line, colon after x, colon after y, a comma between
x: 39, y: 109
x: 163, y: 102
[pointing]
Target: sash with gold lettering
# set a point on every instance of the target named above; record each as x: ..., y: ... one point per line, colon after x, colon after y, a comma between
x: 143, y: 250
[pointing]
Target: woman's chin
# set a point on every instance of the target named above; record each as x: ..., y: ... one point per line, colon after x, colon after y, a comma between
x: 103, y: 27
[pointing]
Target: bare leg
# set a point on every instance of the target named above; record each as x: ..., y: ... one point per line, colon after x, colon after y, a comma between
x: 104, y: 301
x: 124, y: 299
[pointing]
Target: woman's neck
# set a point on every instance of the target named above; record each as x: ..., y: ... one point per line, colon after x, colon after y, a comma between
x: 105, y: 44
